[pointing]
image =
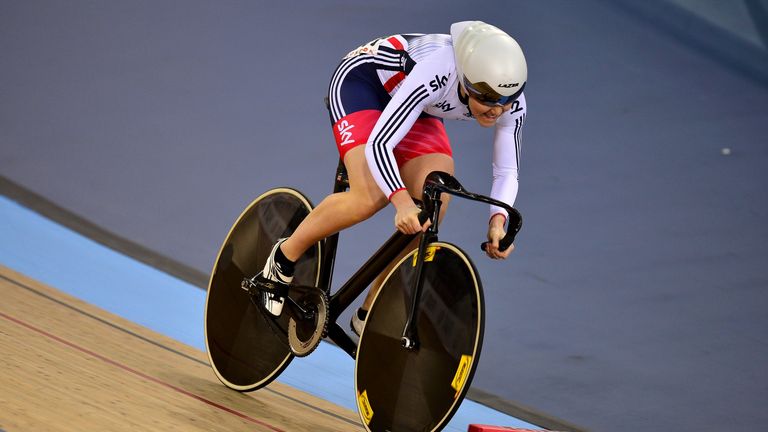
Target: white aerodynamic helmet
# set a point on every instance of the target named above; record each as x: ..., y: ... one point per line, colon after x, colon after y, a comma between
x: 490, y: 64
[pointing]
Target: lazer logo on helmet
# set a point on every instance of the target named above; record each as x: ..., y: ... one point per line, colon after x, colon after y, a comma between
x: 439, y: 82
x: 510, y: 85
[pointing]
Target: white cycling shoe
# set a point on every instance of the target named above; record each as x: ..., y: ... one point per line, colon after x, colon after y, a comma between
x: 273, y: 303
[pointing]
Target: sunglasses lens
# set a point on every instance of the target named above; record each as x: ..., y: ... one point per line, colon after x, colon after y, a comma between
x: 484, y: 94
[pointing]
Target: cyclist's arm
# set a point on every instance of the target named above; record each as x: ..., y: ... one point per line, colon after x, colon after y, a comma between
x: 394, y: 123
x: 409, y: 101
x: 506, y: 157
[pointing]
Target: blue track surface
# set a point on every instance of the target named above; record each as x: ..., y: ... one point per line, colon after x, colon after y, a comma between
x: 63, y: 259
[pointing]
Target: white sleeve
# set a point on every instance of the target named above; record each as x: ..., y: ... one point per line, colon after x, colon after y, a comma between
x: 402, y: 111
x: 395, y: 122
x: 506, y: 156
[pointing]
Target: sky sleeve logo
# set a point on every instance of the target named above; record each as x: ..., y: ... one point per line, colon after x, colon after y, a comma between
x: 345, y: 133
x: 439, y: 82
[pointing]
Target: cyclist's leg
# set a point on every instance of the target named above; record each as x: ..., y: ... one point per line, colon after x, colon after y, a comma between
x: 335, y: 213
x: 356, y: 101
x: 363, y: 199
x: 340, y: 210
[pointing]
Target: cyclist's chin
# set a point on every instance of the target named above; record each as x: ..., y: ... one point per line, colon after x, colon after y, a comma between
x: 486, y: 122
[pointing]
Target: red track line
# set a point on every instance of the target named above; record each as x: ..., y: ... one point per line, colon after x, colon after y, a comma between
x: 139, y: 374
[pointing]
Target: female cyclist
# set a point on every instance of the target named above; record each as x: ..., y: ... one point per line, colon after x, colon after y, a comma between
x: 388, y: 99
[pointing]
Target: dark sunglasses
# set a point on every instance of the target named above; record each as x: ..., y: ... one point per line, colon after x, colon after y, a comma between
x: 487, y: 96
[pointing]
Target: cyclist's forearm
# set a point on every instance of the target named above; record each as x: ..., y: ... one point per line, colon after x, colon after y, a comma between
x: 504, y: 189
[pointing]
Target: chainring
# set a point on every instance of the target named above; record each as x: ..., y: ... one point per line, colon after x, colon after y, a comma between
x: 305, y: 333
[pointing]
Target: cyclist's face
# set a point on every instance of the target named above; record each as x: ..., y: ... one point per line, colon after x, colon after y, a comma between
x: 486, y: 115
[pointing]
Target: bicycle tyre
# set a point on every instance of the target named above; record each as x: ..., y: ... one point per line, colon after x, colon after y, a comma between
x: 245, y: 352
x: 420, y: 390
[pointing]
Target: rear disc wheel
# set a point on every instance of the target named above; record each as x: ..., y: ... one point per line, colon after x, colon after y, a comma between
x: 244, y: 350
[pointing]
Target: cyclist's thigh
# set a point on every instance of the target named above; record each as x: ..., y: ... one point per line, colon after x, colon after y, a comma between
x: 424, y: 149
x: 361, y: 181
x: 415, y: 171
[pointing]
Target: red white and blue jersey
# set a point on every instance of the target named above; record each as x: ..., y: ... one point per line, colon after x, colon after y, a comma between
x: 406, y: 80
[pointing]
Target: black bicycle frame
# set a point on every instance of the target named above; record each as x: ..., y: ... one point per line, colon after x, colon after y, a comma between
x: 358, y: 282
x: 435, y: 184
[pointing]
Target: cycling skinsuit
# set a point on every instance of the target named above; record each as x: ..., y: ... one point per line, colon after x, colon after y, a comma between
x: 392, y: 95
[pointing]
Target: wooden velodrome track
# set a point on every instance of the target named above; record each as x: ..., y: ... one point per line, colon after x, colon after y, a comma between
x: 66, y: 365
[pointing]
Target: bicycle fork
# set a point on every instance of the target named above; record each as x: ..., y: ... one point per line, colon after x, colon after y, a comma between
x: 410, y: 338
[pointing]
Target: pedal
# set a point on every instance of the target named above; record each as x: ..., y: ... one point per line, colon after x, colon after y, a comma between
x: 248, y: 285
x: 258, y: 284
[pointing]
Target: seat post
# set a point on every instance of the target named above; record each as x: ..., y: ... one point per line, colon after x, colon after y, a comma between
x: 341, y: 181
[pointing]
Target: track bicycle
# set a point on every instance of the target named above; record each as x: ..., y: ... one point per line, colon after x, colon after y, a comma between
x: 420, y: 346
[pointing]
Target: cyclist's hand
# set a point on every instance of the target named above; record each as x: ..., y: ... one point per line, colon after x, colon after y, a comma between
x: 407, y: 216
x: 495, y: 233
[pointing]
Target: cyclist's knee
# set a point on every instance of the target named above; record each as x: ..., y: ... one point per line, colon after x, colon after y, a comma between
x: 365, y: 206
x: 415, y: 171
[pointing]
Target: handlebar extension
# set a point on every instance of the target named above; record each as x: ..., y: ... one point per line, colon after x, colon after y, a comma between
x: 438, y: 182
